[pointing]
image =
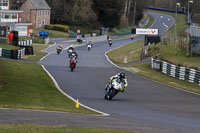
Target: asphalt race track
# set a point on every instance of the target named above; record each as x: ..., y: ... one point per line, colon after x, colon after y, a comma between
x: 145, y: 106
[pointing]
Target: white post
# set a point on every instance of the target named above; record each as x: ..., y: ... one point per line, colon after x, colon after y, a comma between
x: 190, y: 22
x: 175, y: 35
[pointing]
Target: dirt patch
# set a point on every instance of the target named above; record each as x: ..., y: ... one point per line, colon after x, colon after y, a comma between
x: 125, y: 59
x: 27, y: 56
x: 132, y: 52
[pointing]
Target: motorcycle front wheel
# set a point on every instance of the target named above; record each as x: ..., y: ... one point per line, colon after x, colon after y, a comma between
x: 72, y: 66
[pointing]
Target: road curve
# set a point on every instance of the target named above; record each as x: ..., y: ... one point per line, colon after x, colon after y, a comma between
x: 144, y: 99
x: 158, y: 107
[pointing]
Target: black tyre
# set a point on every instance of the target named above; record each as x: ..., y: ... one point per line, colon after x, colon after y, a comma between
x: 112, y: 93
x: 105, y: 96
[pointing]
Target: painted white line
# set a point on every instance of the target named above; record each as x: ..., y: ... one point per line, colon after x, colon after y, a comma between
x: 46, y: 111
x: 55, y: 39
x: 74, y: 100
x: 45, y: 56
x: 48, y: 47
x: 69, y: 41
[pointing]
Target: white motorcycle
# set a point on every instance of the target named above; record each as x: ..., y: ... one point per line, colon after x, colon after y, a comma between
x: 115, y: 88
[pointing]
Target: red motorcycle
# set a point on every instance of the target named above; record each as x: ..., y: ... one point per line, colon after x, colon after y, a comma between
x: 72, y: 64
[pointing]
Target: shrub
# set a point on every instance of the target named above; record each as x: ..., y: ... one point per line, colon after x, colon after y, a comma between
x: 38, y: 40
x: 61, y: 28
x: 57, y: 27
x: 49, y: 27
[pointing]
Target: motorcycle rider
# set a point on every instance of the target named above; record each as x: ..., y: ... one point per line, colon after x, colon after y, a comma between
x: 70, y: 50
x: 110, y: 41
x: 72, y: 61
x: 73, y: 57
x: 90, y: 43
x: 89, y: 46
x: 132, y: 37
x: 59, y: 48
x: 76, y: 55
x: 71, y: 47
x: 121, y: 78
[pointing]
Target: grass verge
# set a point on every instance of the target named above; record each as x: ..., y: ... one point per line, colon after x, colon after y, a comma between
x: 53, y: 33
x: 27, y: 86
x: 151, y: 21
x: 8, y: 46
x: 146, y: 71
x: 166, y: 52
x: 128, y: 53
x: 128, y: 29
x: 30, y: 128
x: 37, y: 52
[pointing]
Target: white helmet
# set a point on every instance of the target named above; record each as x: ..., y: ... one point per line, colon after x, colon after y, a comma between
x: 73, y: 54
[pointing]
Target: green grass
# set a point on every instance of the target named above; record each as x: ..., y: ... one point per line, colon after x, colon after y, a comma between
x: 128, y: 29
x: 53, y: 33
x: 151, y: 21
x: 51, y: 43
x: 37, y: 52
x: 32, y: 128
x: 8, y: 46
x: 124, y: 29
x: 27, y: 86
x: 130, y: 53
x: 84, y: 30
x: 146, y: 71
x: 167, y: 54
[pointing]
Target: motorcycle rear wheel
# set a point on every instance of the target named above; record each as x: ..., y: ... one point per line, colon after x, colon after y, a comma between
x: 112, y: 93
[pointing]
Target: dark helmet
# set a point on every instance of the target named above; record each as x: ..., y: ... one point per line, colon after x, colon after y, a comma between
x: 122, y: 75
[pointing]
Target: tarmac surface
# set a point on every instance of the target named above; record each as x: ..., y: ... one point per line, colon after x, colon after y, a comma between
x: 145, y: 106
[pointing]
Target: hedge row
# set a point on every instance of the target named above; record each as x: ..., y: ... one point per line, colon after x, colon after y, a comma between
x: 57, y: 27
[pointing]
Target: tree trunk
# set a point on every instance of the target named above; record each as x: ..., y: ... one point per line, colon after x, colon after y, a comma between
x: 134, y: 17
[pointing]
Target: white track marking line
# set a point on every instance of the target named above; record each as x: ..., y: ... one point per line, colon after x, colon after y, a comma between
x: 74, y: 100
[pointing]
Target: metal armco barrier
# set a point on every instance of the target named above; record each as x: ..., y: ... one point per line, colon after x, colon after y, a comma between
x: 6, y: 53
x: 0, y: 52
x: 25, y: 43
x: 21, y: 53
x: 179, y: 72
x: 12, y: 54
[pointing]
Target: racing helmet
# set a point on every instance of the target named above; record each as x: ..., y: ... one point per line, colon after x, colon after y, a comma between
x: 122, y: 75
x: 73, y: 54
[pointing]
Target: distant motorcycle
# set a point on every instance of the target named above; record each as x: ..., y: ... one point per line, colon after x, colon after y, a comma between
x: 89, y: 47
x: 132, y: 37
x: 115, y: 88
x: 70, y: 51
x: 58, y: 51
x: 110, y: 42
x: 72, y: 64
